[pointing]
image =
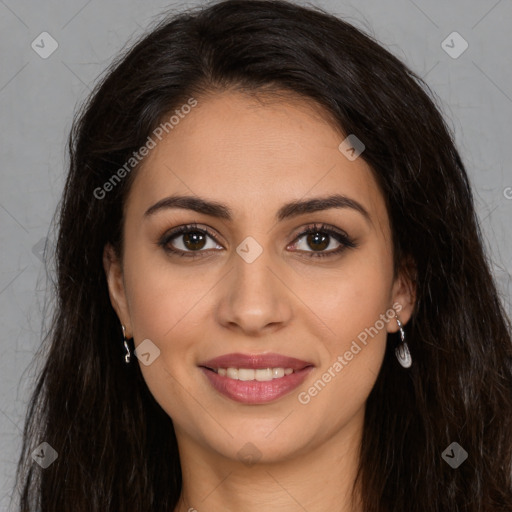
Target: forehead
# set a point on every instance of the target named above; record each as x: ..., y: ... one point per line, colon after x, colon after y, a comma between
x: 253, y: 154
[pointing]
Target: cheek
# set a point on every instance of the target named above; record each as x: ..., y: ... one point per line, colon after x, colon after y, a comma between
x: 158, y: 296
x: 159, y: 304
x: 351, y: 305
x: 354, y: 298
x: 154, y: 309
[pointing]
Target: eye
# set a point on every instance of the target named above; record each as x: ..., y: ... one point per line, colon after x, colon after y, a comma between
x: 191, y: 239
x: 194, y: 240
x: 320, y: 237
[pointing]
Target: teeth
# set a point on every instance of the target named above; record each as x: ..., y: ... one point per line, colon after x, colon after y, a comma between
x: 252, y: 374
x: 232, y: 373
x: 277, y: 373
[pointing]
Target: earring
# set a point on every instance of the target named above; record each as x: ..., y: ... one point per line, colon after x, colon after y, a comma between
x: 127, y: 356
x: 402, y: 350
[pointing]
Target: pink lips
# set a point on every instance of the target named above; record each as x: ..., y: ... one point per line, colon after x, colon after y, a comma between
x: 256, y: 361
x: 256, y: 392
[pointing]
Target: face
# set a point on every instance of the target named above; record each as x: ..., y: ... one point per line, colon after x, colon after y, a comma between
x: 257, y: 284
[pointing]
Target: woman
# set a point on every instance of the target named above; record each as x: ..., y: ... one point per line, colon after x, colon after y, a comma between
x: 271, y: 282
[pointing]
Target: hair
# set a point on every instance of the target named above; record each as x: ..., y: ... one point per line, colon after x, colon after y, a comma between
x: 116, y: 446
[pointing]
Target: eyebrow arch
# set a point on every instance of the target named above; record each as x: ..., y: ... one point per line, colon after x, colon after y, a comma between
x: 287, y: 211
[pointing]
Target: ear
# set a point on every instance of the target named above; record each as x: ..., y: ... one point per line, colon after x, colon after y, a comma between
x: 116, y: 288
x: 404, y: 293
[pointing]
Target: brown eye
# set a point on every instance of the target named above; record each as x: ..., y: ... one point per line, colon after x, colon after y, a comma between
x: 318, y: 241
x: 194, y: 240
x: 319, y: 238
x: 187, y: 240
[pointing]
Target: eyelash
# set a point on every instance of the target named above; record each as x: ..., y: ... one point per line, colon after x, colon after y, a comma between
x: 345, y: 241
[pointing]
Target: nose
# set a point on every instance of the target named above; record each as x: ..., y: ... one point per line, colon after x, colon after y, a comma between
x: 255, y: 300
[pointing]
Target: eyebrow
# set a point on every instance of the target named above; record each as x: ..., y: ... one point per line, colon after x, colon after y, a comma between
x: 287, y: 211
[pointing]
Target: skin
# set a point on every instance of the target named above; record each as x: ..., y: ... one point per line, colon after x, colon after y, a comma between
x: 254, y: 156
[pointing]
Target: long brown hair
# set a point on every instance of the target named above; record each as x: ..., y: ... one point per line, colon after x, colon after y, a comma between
x: 117, y: 448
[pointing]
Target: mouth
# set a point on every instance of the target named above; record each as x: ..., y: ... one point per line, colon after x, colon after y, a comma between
x: 248, y: 374
x: 255, y: 379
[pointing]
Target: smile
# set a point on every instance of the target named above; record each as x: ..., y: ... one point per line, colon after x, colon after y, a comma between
x: 260, y: 375
x: 252, y: 391
x: 255, y: 378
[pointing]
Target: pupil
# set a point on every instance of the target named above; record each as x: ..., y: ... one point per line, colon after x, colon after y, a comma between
x: 317, y: 238
x: 192, y: 240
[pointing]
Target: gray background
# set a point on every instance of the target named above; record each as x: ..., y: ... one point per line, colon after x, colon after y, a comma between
x: 38, y: 98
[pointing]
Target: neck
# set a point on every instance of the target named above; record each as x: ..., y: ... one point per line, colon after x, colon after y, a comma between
x: 318, y: 478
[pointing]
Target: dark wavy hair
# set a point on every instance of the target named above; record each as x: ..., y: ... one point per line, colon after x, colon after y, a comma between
x: 117, y: 448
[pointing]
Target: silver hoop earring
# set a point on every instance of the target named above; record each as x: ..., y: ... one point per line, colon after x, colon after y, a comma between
x: 402, y: 350
x: 127, y: 356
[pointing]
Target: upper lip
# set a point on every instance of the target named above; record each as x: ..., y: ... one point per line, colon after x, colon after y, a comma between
x: 255, y: 361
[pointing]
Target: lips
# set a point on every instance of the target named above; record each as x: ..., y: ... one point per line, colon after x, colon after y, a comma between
x: 255, y: 361
x: 253, y: 392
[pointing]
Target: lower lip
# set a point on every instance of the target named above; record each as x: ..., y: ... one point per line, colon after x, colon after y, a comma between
x: 254, y: 391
